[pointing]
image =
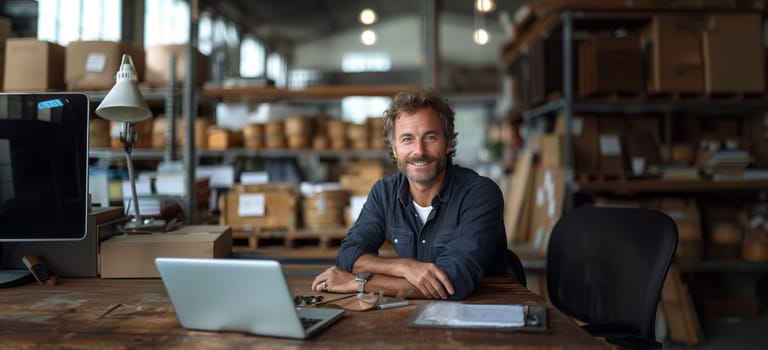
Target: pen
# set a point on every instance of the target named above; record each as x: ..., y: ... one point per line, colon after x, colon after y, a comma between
x: 393, y: 305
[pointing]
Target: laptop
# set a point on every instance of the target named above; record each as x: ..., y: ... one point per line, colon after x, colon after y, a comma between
x: 238, y: 295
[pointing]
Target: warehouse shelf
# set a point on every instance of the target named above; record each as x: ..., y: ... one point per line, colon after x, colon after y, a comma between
x: 258, y: 93
x: 640, y: 186
x: 722, y: 266
x: 156, y: 154
x: 606, y: 15
x: 150, y: 95
x: 701, y: 105
x: 566, y: 24
x: 544, y: 58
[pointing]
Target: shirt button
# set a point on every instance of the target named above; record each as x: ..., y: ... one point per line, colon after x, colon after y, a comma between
x: 423, y: 241
x: 395, y: 240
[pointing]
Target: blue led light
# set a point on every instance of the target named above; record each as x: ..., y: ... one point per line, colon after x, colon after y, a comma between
x: 50, y: 104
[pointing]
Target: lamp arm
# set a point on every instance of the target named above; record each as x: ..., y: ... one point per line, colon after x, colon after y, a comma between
x: 128, y: 136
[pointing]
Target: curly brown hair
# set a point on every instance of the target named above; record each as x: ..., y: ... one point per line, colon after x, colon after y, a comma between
x: 412, y: 100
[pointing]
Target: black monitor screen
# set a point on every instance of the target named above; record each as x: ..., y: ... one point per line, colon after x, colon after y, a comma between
x: 43, y: 166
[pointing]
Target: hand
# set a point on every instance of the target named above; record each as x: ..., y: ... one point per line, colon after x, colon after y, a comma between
x: 335, y: 280
x: 428, y: 278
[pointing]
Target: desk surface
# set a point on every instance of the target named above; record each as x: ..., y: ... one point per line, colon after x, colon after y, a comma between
x: 95, y: 313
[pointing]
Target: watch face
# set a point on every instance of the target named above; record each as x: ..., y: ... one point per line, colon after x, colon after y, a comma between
x: 363, y: 276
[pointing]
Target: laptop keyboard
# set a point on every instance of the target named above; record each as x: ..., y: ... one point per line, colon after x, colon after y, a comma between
x: 309, y: 322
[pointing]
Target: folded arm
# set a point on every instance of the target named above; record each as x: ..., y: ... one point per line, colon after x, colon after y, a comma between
x: 393, y: 276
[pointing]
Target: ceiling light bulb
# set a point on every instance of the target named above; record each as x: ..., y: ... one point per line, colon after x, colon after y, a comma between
x: 480, y: 36
x: 367, y: 16
x: 368, y: 37
x: 485, y: 6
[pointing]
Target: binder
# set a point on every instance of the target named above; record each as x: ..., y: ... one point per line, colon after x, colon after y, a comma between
x: 498, y: 317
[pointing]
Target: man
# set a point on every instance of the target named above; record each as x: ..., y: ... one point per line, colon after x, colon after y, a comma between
x: 445, y: 222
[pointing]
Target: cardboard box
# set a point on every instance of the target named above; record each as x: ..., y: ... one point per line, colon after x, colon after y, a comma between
x: 734, y: 54
x: 222, y: 139
x: 6, y: 31
x: 33, y: 65
x: 257, y: 208
x: 133, y: 256
x: 676, y: 59
x: 553, y: 150
x: 158, y: 65
x: 92, y: 65
x: 160, y: 131
x: 547, y: 205
x: 610, y: 65
x: 546, y: 70
x: 586, y: 154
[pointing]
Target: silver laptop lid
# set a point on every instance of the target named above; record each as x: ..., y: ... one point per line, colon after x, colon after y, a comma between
x: 237, y: 295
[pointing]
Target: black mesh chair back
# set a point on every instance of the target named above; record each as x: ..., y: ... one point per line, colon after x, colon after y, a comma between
x: 606, y: 267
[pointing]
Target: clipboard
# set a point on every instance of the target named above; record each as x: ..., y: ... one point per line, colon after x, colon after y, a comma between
x: 498, y: 317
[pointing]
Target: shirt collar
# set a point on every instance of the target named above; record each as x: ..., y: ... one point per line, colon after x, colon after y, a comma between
x: 444, y: 195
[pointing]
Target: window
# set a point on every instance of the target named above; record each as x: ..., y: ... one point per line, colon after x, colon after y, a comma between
x: 365, y: 62
x: 301, y: 78
x: 357, y: 109
x: 277, y: 69
x: 252, y: 58
x: 205, y: 34
x: 166, y: 22
x: 62, y: 21
x: 220, y: 41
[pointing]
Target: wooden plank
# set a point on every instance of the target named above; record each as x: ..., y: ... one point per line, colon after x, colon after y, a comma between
x: 323, y: 238
x: 547, y: 205
x: 682, y: 320
x: 260, y: 93
x: 518, y: 193
x: 511, y: 51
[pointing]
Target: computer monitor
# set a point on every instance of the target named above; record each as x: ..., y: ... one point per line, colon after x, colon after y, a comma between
x: 43, y: 166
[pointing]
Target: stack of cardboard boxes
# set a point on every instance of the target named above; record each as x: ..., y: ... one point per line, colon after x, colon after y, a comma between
x: 35, y: 65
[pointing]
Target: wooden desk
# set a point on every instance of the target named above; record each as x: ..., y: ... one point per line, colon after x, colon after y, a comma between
x: 117, y: 314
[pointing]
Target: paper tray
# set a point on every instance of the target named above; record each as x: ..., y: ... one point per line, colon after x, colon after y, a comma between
x: 499, y: 317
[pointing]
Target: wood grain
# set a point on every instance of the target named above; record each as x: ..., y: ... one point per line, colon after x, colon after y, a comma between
x: 136, y: 313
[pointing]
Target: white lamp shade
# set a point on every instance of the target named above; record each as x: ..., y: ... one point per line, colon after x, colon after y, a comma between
x: 124, y: 102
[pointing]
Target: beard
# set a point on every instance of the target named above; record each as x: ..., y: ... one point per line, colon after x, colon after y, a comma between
x: 427, y: 175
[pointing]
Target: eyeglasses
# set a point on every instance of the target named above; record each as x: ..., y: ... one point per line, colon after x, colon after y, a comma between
x: 370, y: 298
x: 305, y: 300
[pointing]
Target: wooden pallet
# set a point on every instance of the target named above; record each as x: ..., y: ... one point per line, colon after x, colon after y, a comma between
x: 243, y: 240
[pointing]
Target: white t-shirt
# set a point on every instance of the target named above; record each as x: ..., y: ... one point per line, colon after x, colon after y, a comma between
x: 423, y: 212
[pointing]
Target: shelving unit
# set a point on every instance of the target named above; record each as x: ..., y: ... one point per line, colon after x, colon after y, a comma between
x: 564, y: 24
x: 314, y: 95
x: 560, y: 31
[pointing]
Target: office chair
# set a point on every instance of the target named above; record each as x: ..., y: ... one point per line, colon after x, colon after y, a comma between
x: 606, y: 267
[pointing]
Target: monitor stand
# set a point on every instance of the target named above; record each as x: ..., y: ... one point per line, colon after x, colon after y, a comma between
x: 10, y: 278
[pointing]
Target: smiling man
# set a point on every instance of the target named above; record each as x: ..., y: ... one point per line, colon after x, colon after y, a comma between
x: 444, y: 221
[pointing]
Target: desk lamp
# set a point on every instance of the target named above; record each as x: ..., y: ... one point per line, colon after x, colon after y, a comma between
x: 124, y: 103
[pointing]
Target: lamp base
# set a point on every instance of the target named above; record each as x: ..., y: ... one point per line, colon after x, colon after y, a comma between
x: 147, y: 225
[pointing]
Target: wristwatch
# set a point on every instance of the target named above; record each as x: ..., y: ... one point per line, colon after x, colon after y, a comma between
x: 361, y: 278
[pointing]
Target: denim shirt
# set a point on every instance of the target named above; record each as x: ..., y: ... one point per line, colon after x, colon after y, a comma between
x: 464, y: 234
